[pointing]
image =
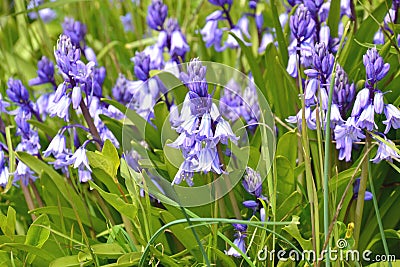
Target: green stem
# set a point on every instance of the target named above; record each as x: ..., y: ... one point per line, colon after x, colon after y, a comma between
x: 378, y: 216
x: 328, y: 145
x: 208, y: 221
x: 361, y: 193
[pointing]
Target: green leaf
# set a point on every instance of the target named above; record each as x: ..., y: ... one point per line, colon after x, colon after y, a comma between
x: 287, y: 147
x: 106, y: 160
x: 282, y: 45
x: 8, y: 223
x: 254, y: 66
x: 293, y: 230
x: 63, y: 187
x: 184, y: 235
x: 285, y: 177
x: 334, y: 17
x: 128, y: 209
x: 28, y: 248
x: 69, y: 261
x: 69, y: 213
x: 37, y: 235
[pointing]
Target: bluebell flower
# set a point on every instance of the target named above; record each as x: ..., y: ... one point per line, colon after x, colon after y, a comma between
x: 301, y: 24
x: 120, y: 91
x: 205, y: 131
x: 344, y: 91
x: 392, y: 114
x: 3, y: 170
x: 366, y: 119
x: 76, y: 30
x: 223, y: 132
x: 156, y: 15
x: 23, y: 174
x: 345, y: 135
x: 231, y: 41
x: 208, y: 159
x: 142, y: 66
x: 379, y: 37
x: 45, y: 73
x: 46, y: 14
x: 267, y: 38
x: 362, y: 99
x: 60, y: 108
x: 231, y: 101
x: 378, y: 102
x: 17, y: 92
x: 156, y: 56
x: 252, y: 182
x: 56, y: 146
x: 221, y: 3
x: 375, y: 67
x: 84, y: 175
x: 76, y: 97
x: 80, y: 159
x: 43, y: 102
x: 179, y: 46
x: 186, y: 171
x: 90, y: 54
x: 211, y: 34
x: 127, y: 22
x: 356, y: 187
x: 385, y: 152
x: 62, y: 161
x: 239, y: 241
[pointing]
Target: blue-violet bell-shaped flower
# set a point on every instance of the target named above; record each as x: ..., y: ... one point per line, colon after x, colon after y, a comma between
x: 156, y: 15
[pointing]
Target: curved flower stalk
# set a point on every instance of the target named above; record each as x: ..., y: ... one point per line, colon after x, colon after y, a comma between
x: 201, y: 128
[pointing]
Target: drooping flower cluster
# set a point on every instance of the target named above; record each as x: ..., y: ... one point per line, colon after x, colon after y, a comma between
x: 170, y: 35
x: 309, y: 26
x: 391, y: 16
x: 239, y: 240
x: 368, y: 102
x: 212, y: 33
x: 317, y: 91
x: 252, y: 183
x: 29, y: 142
x: 235, y: 104
x: 201, y: 128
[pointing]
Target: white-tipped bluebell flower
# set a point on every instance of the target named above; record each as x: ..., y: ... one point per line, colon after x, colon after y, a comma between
x: 61, y: 108
x: 223, y: 132
x: 208, y: 159
x: 345, y: 135
x: 362, y: 99
x: 76, y: 97
x: 84, y: 174
x: 205, y: 130
x: 185, y: 172
x: 56, y: 146
x: 3, y: 170
x: 239, y: 241
x: 385, y: 152
x: 179, y: 45
x: 23, y: 174
x: 378, y: 102
x: 367, y: 118
x: 79, y: 158
x: 392, y: 114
